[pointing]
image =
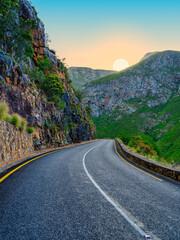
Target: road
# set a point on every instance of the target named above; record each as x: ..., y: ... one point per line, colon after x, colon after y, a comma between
x: 87, y: 192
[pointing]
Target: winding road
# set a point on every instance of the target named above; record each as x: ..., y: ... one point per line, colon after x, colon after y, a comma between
x: 88, y: 192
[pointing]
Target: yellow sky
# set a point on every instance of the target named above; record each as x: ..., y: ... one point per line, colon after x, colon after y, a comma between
x: 102, y: 54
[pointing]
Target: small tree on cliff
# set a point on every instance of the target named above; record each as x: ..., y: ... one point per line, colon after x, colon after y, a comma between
x: 15, y: 37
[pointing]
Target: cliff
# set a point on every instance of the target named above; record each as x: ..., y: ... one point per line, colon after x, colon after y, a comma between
x: 142, y: 100
x: 82, y: 75
x: 153, y: 80
x: 37, y: 88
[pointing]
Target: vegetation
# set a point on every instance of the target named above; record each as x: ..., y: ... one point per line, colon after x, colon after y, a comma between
x: 3, y: 111
x: 15, y: 119
x: 16, y: 38
x: 79, y: 94
x: 29, y: 130
x: 45, y: 78
x: 82, y: 75
x: 142, y: 65
x: 163, y: 138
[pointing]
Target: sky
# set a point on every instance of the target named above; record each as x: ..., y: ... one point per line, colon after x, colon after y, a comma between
x: 96, y: 33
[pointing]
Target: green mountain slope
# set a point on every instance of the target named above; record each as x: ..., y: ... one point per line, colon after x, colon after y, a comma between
x: 83, y: 75
x: 164, y: 133
x: 142, y: 100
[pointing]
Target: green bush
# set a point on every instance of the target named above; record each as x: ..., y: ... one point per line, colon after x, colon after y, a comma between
x: 125, y: 139
x: 36, y: 75
x: 27, y: 35
x: 23, y: 124
x: 29, y: 130
x: 8, y: 118
x: 141, y: 146
x: 3, y: 110
x: 29, y: 51
x: 44, y: 64
x: 15, y: 120
x: 53, y: 86
x: 61, y: 105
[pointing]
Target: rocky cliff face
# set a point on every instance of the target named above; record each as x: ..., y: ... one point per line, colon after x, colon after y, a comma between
x: 153, y: 81
x: 53, y: 126
x: 82, y: 75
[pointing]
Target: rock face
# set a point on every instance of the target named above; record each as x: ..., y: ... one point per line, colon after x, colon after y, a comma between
x: 82, y: 75
x: 53, y: 126
x: 14, y: 144
x: 143, y: 100
x: 28, y: 12
x: 153, y: 81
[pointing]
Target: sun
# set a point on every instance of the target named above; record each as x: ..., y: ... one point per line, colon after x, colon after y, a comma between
x: 120, y: 64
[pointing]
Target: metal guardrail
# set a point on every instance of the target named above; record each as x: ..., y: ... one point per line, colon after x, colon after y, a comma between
x: 150, y: 165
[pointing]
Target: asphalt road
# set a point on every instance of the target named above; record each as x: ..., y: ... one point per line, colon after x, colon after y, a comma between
x: 87, y: 192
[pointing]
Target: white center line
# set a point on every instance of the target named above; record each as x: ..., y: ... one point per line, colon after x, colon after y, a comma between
x: 133, y: 224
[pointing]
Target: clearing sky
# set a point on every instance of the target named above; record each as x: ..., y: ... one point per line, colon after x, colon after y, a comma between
x: 96, y: 33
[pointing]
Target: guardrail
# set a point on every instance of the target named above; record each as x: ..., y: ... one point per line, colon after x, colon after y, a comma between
x: 150, y: 165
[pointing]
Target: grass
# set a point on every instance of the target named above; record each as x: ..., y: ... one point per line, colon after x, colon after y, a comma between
x: 163, y: 137
x: 16, y: 120
x: 3, y: 111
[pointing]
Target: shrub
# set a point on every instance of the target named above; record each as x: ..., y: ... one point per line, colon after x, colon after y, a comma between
x: 15, y: 120
x: 54, y: 86
x: 23, y: 124
x: 141, y: 146
x: 3, y: 110
x: 88, y: 110
x: 44, y: 64
x: 125, y: 139
x: 79, y: 94
x: 8, y: 118
x: 29, y: 130
x: 29, y: 51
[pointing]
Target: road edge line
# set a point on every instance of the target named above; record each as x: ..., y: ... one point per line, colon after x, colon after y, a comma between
x: 31, y: 159
x: 122, y: 213
x: 133, y: 165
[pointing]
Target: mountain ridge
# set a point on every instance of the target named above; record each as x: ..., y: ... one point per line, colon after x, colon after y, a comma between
x: 82, y: 75
x: 137, y: 101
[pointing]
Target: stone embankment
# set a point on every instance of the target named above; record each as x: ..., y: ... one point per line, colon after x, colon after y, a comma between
x: 150, y: 165
x: 14, y: 144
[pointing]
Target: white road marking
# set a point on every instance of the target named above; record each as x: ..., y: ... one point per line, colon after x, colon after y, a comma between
x: 133, y: 224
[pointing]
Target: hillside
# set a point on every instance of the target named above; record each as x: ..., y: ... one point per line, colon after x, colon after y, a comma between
x: 82, y: 75
x: 142, y: 100
x: 34, y: 83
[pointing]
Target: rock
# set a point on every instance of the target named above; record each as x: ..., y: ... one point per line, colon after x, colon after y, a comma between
x: 51, y: 56
x: 14, y: 144
x: 153, y: 81
x: 81, y: 75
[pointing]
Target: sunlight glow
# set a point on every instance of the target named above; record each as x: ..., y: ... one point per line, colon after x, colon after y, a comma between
x: 120, y: 64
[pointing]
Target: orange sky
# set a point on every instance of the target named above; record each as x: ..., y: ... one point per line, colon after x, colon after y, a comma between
x: 102, y: 53
x: 96, y: 33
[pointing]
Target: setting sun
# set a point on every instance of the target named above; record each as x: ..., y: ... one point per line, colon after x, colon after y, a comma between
x: 120, y: 64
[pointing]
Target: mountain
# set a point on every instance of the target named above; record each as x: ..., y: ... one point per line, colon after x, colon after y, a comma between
x: 83, y: 75
x: 142, y: 100
x: 34, y: 83
x: 148, y: 55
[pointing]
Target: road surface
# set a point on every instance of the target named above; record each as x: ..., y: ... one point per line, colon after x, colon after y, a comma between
x: 87, y: 192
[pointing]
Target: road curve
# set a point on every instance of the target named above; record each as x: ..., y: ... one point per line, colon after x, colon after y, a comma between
x: 87, y: 192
